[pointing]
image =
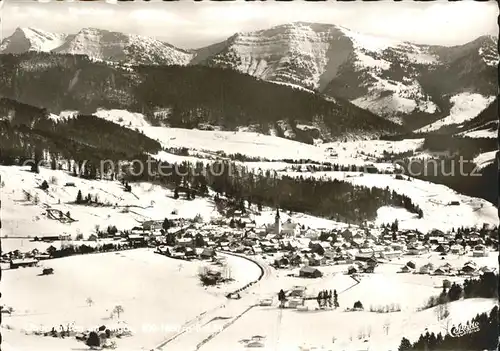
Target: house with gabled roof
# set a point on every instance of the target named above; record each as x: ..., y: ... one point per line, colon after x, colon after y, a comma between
x: 480, y: 251
x: 405, y: 269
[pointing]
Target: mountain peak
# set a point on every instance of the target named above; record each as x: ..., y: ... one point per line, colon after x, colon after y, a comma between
x: 31, y: 39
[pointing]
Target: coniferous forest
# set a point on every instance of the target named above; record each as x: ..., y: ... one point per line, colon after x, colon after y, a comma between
x: 180, y: 96
x: 484, y: 337
x: 335, y: 199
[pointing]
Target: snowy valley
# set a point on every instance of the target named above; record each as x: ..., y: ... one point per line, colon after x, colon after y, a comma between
x: 301, y: 187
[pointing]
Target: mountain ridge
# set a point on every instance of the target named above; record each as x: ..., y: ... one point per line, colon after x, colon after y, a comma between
x: 407, y: 83
x: 195, y: 97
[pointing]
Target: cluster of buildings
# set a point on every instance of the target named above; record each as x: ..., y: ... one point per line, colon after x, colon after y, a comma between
x: 287, y: 243
x: 469, y: 268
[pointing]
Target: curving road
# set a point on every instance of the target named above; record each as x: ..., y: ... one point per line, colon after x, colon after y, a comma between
x: 201, y: 329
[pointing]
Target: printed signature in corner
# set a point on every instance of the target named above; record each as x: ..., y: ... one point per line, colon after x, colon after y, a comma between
x: 461, y: 329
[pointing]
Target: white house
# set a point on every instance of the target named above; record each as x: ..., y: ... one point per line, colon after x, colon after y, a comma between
x: 290, y: 229
x: 457, y: 249
x: 479, y: 251
x: 312, y: 234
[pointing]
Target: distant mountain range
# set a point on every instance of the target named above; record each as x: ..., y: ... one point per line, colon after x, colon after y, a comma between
x: 410, y: 84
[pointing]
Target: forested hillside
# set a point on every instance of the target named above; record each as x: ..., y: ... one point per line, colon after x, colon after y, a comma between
x: 28, y: 134
x: 183, y: 97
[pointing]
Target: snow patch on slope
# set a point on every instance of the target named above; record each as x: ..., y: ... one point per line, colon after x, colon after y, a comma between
x: 481, y: 134
x: 433, y: 199
x: 123, y: 118
x: 397, y: 98
x: 465, y: 107
x: 484, y: 159
x: 369, y: 42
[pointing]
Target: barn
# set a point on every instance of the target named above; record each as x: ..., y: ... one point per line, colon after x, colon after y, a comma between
x: 310, y: 272
x: 26, y: 262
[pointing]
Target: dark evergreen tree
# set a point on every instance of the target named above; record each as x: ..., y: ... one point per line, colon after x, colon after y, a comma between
x: 405, y: 345
x: 44, y: 185
x: 166, y: 224
x: 93, y: 340
x: 79, y: 197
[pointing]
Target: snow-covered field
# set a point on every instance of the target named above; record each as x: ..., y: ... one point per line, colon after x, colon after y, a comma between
x: 284, y: 329
x: 125, y: 210
x: 465, y: 107
x: 206, y: 143
x: 484, y: 159
x: 371, y: 148
x: 432, y: 198
x: 152, y: 289
x: 338, y: 330
x: 486, y: 130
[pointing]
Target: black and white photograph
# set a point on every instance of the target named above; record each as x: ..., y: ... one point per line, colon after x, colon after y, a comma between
x: 237, y: 175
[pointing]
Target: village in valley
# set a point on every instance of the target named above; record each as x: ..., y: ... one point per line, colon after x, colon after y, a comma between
x: 280, y: 176
x: 282, y: 243
x: 247, y: 253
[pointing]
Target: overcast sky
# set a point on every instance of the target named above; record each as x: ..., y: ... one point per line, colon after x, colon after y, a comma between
x: 189, y: 24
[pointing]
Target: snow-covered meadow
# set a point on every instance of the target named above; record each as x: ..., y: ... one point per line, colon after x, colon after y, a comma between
x: 23, y: 217
x: 158, y: 295
x: 343, y: 330
x: 433, y: 199
x: 465, y: 106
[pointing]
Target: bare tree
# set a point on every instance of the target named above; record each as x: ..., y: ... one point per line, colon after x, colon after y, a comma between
x: 443, y: 315
x: 27, y: 196
x: 387, y: 324
x: 118, y: 310
x: 442, y: 312
x: 227, y: 272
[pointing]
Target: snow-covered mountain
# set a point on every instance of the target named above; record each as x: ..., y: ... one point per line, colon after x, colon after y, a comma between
x: 401, y: 81
x: 410, y: 84
x: 31, y: 39
x: 129, y: 48
x: 98, y: 44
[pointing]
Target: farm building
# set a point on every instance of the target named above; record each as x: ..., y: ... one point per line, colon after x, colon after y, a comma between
x: 26, y: 262
x: 51, y: 238
x: 207, y: 253
x: 441, y: 248
x: 152, y: 225
x: 416, y: 250
x: 457, y: 249
x: 405, y: 269
x: 310, y: 272
x: 468, y: 268
x: 391, y: 254
x: 480, y: 251
x: 185, y: 242
x: 42, y: 256
x: 298, y: 291
x: 136, y: 240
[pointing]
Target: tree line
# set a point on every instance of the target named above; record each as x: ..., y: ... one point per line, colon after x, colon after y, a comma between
x: 193, y: 96
x: 335, y: 199
x: 484, y: 337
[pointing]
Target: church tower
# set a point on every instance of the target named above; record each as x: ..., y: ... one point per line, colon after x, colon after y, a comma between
x: 277, y: 222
